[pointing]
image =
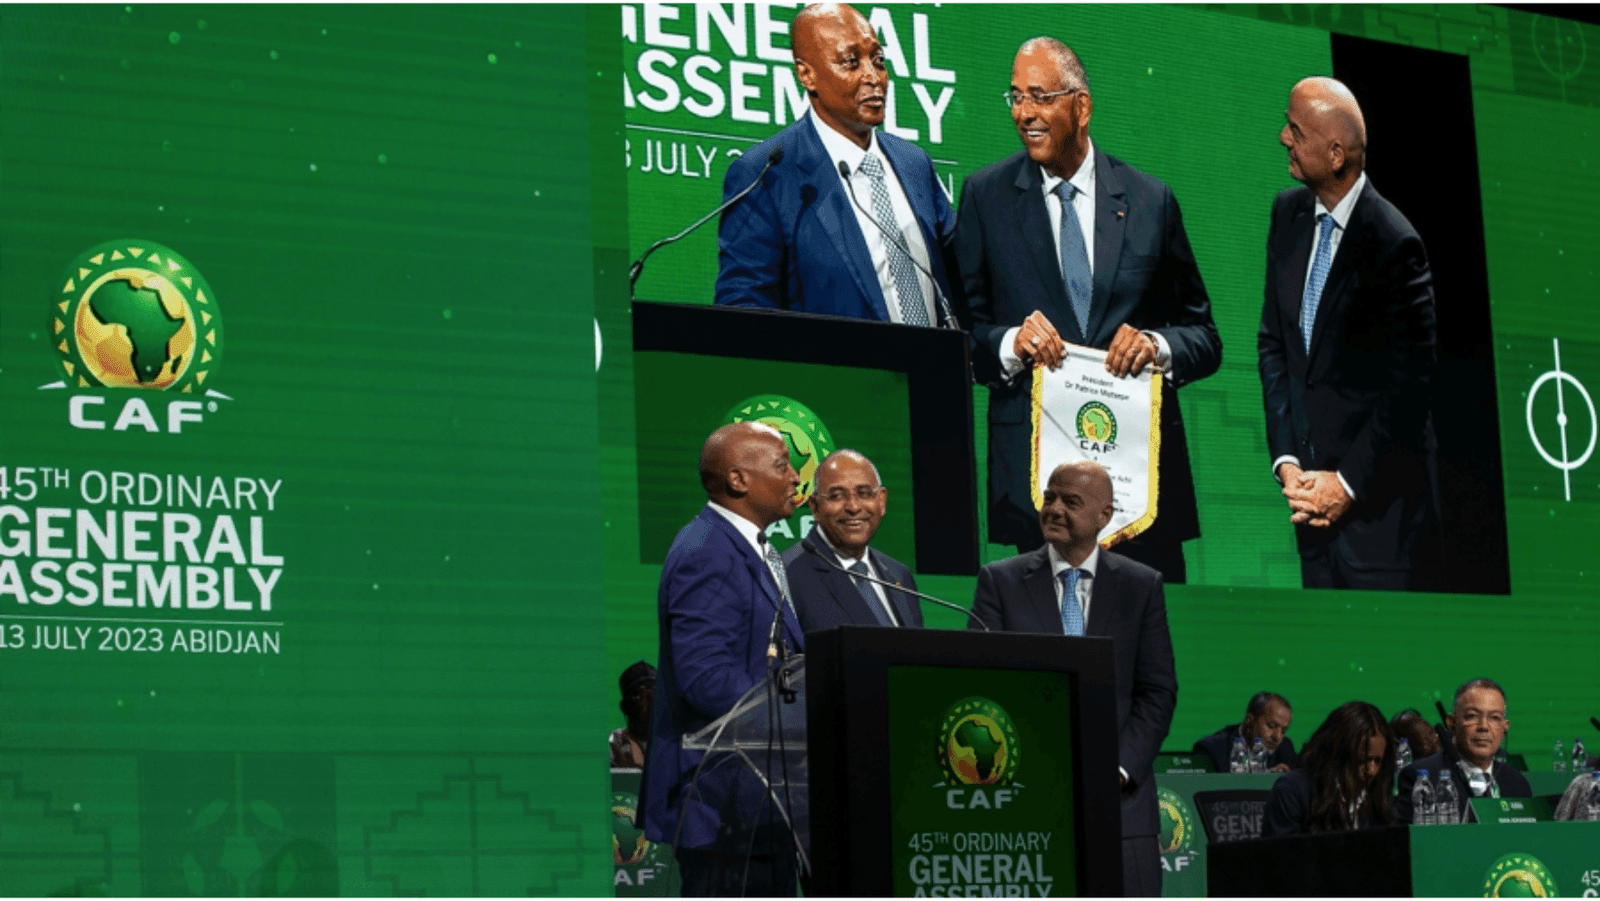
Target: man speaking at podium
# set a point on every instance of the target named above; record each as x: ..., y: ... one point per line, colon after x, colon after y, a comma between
x: 800, y: 242
x: 1071, y: 586
x: 722, y: 586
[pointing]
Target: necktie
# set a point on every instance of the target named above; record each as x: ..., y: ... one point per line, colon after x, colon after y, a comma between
x: 1319, y: 277
x: 775, y: 564
x: 913, y: 306
x: 1071, y: 609
x: 868, y: 595
x: 1075, y: 259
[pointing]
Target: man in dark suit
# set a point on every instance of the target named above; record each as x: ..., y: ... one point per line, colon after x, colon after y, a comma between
x: 848, y: 505
x: 1478, y: 725
x: 1073, y: 587
x: 1115, y: 273
x: 799, y: 242
x: 1267, y: 717
x: 1347, y: 346
x: 722, y: 585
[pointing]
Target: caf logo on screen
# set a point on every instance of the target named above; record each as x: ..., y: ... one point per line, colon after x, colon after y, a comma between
x: 1097, y: 426
x: 629, y: 847
x: 808, y: 439
x: 134, y: 315
x: 979, y: 752
x: 1519, y: 876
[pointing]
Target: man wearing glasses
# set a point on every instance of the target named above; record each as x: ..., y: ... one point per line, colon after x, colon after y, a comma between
x: 1062, y: 243
x: 848, y: 506
x: 1478, y: 725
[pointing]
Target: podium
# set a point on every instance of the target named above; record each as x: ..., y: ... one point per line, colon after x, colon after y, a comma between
x: 944, y: 763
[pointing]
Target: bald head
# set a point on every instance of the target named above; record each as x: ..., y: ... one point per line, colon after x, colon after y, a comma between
x: 1326, y: 137
x: 1076, y: 506
x: 745, y: 468
x: 812, y: 24
x: 839, y: 62
x: 726, y: 448
x: 1331, y: 102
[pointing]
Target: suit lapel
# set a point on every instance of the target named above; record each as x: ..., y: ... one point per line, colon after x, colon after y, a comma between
x: 1292, y: 275
x: 840, y: 586
x: 1351, y: 249
x: 899, y: 600
x: 1041, y: 590
x: 1033, y: 223
x: 1110, y: 222
x: 1102, y: 588
x: 837, y: 216
x: 762, y: 575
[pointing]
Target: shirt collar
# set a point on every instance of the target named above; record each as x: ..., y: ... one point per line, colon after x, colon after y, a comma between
x: 843, y: 150
x: 750, y: 531
x: 1083, y: 179
x: 843, y: 558
x: 1059, y: 565
x: 1341, y: 210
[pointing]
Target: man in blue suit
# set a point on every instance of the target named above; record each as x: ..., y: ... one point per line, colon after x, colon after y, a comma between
x: 798, y: 242
x: 848, y: 506
x: 721, y: 587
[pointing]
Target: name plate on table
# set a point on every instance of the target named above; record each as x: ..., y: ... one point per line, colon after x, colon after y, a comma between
x: 1183, y: 764
x: 1082, y: 412
x: 1505, y: 811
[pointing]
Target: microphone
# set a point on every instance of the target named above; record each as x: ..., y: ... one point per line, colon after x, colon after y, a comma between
x: 938, y: 293
x: 1594, y: 722
x: 1439, y: 707
x: 774, y: 157
x: 811, y: 547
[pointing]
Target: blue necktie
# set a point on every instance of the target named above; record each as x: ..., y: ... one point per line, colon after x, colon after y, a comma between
x: 1071, y: 609
x: 1075, y: 260
x: 868, y: 595
x: 913, y: 306
x: 1319, y: 277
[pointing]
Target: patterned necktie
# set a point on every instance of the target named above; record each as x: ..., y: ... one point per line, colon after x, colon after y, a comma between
x: 775, y: 565
x: 1319, y: 277
x: 1075, y: 259
x: 867, y: 594
x: 1071, y: 609
x: 913, y: 306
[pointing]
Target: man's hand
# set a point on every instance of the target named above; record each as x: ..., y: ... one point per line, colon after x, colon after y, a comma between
x: 1317, y: 498
x: 1130, y: 352
x: 1038, y: 340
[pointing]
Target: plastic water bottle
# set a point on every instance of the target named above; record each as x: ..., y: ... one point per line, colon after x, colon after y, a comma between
x: 1558, y: 758
x: 1238, y: 758
x: 1422, y: 808
x: 1580, y: 757
x: 1258, y: 757
x: 1449, y: 808
x: 1402, y: 755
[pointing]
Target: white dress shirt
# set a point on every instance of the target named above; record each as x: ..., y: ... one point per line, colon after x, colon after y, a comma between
x: 1059, y: 565
x: 750, y: 531
x: 1341, y: 218
x: 842, y: 150
x: 847, y: 561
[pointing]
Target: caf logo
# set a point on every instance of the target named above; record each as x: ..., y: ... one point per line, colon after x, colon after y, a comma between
x: 978, y: 744
x: 1096, y: 423
x: 135, y: 314
x: 1177, y: 828
x: 808, y: 439
x: 1519, y: 876
x: 629, y: 847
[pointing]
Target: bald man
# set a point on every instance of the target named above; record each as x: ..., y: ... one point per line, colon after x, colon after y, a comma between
x: 1072, y: 586
x: 722, y: 585
x: 799, y: 242
x: 1347, y: 346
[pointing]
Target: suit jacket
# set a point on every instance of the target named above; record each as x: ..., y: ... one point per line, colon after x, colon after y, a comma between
x: 1127, y: 605
x: 1512, y: 783
x: 794, y: 243
x: 1145, y: 275
x: 825, y: 597
x: 1358, y: 402
x: 1219, y: 745
x: 716, y: 604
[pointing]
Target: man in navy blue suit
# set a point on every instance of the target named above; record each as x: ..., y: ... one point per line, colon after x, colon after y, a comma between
x: 798, y: 242
x: 848, y: 506
x: 721, y: 587
x: 1063, y: 243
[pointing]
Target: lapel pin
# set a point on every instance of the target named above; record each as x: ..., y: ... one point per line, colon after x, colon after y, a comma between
x: 1119, y: 214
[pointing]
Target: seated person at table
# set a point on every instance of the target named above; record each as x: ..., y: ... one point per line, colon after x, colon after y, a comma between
x: 1267, y: 717
x: 1410, y: 725
x: 1343, y: 780
x: 1477, y: 726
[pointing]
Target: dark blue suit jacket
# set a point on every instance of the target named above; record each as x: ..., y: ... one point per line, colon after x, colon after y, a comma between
x: 716, y: 603
x: 794, y: 243
x: 1145, y: 275
x: 1128, y: 606
x: 825, y: 597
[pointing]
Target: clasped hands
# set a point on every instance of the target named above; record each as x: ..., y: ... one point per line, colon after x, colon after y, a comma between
x: 1316, y: 498
x: 1130, y: 352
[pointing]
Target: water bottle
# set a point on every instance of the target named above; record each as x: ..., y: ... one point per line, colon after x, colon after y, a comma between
x: 1238, y: 760
x: 1558, y: 758
x: 1449, y: 808
x: 1422, y: 808
x: 1402, y: 755
x: 1580, y: 757
x: 1258, y: 757
x: 1591, y: 804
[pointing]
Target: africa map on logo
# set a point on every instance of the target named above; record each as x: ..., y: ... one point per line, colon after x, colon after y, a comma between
x: 978, y: 744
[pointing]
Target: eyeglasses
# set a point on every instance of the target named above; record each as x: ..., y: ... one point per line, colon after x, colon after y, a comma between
x: 1473, y: 717
x: 1037, y: 98
x: 864, y: 493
